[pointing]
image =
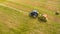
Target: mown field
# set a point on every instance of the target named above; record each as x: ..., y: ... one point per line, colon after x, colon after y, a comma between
x: 15, y: 19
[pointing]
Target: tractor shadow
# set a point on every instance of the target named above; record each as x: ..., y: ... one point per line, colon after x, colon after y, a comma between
x: 31, y: 17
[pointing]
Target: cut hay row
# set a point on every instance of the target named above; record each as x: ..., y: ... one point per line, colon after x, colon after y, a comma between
x: 48, y: 4
x: 13, y: 8
x: 19, y: 6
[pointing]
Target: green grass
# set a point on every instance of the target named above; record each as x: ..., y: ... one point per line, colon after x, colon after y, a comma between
x: 22, y: 24
x: 2, y: 1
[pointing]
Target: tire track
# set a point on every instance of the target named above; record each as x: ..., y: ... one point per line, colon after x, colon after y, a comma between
x: 13, y: 8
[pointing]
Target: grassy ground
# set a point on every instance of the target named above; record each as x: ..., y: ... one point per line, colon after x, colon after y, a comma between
x: 18, y: 22
x: 2, y: 1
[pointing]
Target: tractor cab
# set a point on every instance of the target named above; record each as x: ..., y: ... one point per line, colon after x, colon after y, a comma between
x: 34, y: 13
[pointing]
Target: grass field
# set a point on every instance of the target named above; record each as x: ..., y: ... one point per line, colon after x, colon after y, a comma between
x: 14, y: 17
